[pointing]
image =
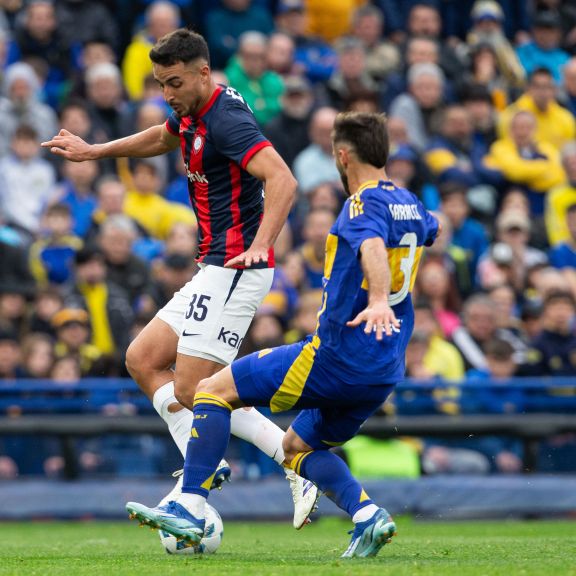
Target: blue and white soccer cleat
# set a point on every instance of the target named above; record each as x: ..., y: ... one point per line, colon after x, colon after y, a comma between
x: 222, y: 475
x: 369, y: 536
x: 172, y: 518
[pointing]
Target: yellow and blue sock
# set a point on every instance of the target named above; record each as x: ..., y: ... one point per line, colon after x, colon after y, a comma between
x: 331, y: 474
x: 207, y: 444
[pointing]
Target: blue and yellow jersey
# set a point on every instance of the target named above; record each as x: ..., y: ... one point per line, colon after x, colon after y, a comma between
x: 377, y: 210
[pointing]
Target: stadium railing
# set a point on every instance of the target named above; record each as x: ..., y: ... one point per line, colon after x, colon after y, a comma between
x: 529, y: 409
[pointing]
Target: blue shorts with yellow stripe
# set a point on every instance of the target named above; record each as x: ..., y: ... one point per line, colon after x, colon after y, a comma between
x: 292, y: 378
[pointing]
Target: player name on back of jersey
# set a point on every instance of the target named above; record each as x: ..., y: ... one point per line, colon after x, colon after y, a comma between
x: 404, y: 212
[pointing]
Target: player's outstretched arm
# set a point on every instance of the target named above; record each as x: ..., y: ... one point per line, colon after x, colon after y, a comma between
x: 280, y: 187
x: 151, y: 142
x: 378, y: 315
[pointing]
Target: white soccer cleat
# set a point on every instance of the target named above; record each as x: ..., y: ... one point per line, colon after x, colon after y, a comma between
x: 222, y: 475
x: 305, y: 495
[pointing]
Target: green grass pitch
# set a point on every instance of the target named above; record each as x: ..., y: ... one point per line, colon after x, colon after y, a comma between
x: 420, y: 548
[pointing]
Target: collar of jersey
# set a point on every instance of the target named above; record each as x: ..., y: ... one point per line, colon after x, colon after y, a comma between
x: 210, y: 102
x: 372, y: 184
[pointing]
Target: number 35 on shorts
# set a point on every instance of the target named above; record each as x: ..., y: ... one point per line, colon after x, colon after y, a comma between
x: 198, y: 307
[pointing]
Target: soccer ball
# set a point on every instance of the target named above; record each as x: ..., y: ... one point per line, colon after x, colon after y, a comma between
x: 210, y: 542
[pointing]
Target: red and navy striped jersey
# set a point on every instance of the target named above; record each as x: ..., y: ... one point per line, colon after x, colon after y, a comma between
x: 217, y: 145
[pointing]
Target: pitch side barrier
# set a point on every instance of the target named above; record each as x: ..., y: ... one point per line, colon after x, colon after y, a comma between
x: 529, y: 409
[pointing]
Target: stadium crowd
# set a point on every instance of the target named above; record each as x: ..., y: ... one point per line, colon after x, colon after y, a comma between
x: 481, y: 101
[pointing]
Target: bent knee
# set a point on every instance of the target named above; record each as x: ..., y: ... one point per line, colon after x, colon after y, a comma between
x: 205, y: 385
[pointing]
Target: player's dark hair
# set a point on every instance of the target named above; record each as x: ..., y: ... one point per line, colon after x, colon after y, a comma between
x: 571, y: 209
x: 182, y: 45
x: 366, y: 133
x: 58, y: 209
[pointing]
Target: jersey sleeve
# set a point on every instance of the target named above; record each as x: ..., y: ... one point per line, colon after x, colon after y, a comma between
x: 236, y: 134
x: 173, y: 124
x: 362, y: 218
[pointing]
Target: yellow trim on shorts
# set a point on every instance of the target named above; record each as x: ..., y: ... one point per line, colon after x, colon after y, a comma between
x: 205, y: 398
x: 293, y: 384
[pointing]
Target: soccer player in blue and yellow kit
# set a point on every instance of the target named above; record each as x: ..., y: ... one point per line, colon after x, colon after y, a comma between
x: 339, y: 376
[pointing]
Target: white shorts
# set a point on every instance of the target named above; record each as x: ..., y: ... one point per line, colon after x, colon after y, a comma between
x: 211, y: 313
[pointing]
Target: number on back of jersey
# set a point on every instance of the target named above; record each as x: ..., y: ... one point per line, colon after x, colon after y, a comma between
x: 232, y: 92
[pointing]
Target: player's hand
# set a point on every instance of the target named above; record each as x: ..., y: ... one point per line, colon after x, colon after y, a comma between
x: 70, y: 146
x: 379, y: 318
x: 251, y: 256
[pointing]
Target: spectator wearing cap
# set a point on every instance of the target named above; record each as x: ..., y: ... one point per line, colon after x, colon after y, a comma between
x: 555, y: 347
x: 247, y: 72
x: 352, y: 77
x: 39, y: 35
x: 288, y: 131
x: 563, y: 255
x: 560, y: 198
x: 72, y: 326
x: 313, y: 57
x: 116, y: 238
x: 315, y: 164
x: 467, y: 233
x: 418, y: 105
x: 510, y: 256
x: 525, y: 161
x: 161, y: 18
x: 108, y: 306
x: 382, y: 57
x: 225, y: 26
x: 554, y: 124
x: 488, y: 28
x: 20, y: 104
x: 544, y: 50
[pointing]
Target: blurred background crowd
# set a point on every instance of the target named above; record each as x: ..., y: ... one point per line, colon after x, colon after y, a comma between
x: 480, y: 97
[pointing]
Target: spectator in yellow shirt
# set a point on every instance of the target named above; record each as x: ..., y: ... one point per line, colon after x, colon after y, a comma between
x: 161, y: 18
x: 554, y: 124
x: 144, y: 203
x: 560, y: 198
x: 524, y: 160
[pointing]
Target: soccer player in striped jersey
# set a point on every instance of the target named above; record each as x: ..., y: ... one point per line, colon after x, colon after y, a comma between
x: 340, y: 375
x: 229, y: 163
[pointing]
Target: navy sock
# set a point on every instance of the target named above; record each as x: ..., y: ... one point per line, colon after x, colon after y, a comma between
x: 331, y: 474
x: 208, y: 442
